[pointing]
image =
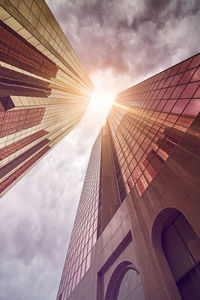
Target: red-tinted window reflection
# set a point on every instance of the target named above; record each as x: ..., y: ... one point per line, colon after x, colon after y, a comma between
x: 180, y: 105
x: 193, y: 108
x: 176, y: 79
x: 177, y: 92
x: 197, y: 94
x: 169, y: 105
x: 195, y: 61
x: 186, y: 76
x: 196, y: 75
x: 184, y: 65
x: 190, y: 89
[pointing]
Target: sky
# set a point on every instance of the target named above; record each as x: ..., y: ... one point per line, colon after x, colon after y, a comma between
x: 119, y: 43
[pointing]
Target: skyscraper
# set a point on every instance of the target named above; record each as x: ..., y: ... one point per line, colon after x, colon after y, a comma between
x: 44, y: 90
x: 136, y: 232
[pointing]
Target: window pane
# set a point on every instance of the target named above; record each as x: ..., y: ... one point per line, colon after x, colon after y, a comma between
x: 179, y: 260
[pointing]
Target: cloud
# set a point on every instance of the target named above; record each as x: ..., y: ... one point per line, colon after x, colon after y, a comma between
x: 36, y: 219
x: 130, y: 37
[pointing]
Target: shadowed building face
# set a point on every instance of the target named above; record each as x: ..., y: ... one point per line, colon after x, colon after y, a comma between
x: 44, y: 90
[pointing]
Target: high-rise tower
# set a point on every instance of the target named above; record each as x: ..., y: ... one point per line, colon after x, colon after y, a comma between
x: 138, y: 216
x: 44, y: 90
x: 84, y: 234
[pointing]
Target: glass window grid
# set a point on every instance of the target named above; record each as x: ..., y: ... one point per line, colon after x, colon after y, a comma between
x: 46, y: 52
x: 12, y: 148
x: 19, y: 172
x: 51, y: 115
x: 11, y: 136
x: 157, y: 116
x: 84, y: 233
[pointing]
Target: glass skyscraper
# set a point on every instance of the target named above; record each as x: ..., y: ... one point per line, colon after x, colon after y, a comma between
x: 44, y: 90
x: 84, y: 233
x: 149, y: 119
x: 136, y: 232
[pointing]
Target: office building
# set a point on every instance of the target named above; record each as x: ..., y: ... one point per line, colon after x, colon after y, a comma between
x: 136, y: 232
x: 44, y: 90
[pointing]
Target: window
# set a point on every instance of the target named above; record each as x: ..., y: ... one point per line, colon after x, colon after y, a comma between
x: 181, y: 246
x: 130, y: 286
x: 125, y: 284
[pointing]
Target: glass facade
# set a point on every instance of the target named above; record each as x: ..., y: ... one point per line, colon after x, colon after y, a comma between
x: 12, y: 148
x: 149, y: 119
x: 44, y: 90
x: 84, y: 234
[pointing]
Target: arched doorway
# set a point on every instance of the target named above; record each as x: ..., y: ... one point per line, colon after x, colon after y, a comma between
x: 125, y: 283
x: 181, y: 247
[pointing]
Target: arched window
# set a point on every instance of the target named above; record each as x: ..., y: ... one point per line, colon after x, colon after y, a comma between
x: 125, y: 284
x: 181, y: 246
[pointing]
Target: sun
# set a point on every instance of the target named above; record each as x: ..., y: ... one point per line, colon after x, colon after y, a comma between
x: 101, y: 99
x: 103, y: 96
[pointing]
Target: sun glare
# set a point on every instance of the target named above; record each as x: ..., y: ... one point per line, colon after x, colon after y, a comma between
x: 101, y: 99
x: 103, y: 96
x: 100, y: 104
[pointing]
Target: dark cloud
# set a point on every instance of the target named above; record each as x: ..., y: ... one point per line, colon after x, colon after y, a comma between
x: 125, y: 35
x: 155, y: 11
